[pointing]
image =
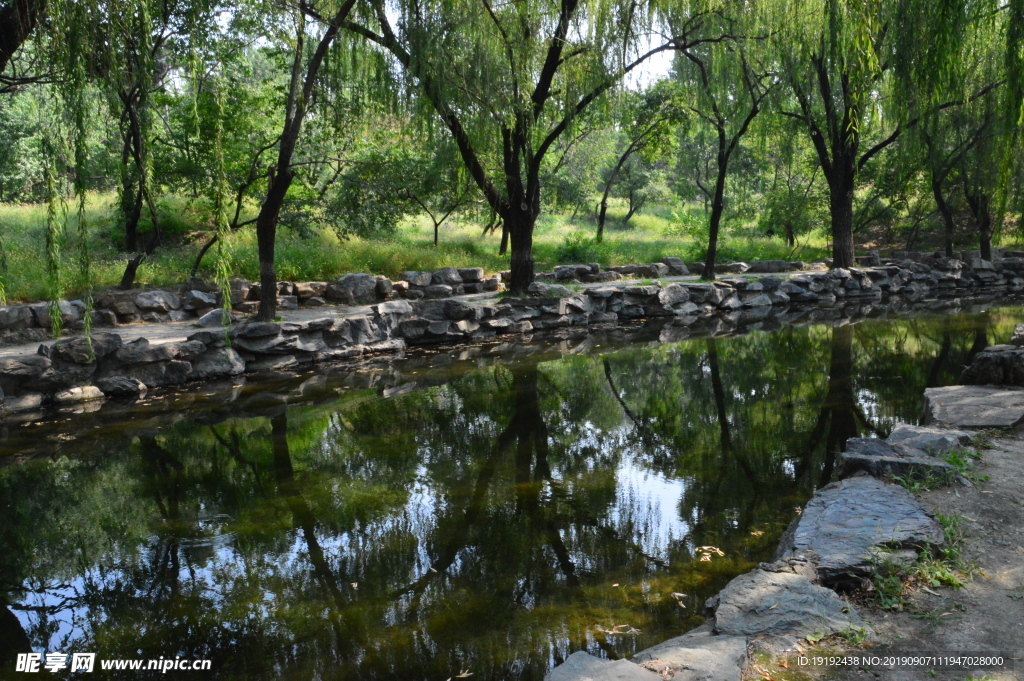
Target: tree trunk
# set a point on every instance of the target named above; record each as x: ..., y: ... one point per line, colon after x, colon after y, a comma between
x: 946, y: 212
x: 503, y: 248
x: 520, y: 228
x: 717, y: 208
x: 437, y: 225
x: 841, y: 212
x: 266, y: 237
x: 602, y: 211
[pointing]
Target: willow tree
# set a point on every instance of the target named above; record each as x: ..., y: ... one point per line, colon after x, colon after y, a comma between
x: 728, y: 81
x: 316, y: 29
x: 848, y: 66
x: 507, y: 81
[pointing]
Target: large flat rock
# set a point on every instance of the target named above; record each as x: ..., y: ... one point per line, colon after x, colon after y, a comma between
x: 883, y: 459
x: 582, y: 666
x: 848, y: 524
x: 929, y: 439
x: 782, y: 602
x: 698, y: 656
x: 976, y: 406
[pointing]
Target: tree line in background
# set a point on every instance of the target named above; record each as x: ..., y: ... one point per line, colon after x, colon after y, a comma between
x: 895, y: 116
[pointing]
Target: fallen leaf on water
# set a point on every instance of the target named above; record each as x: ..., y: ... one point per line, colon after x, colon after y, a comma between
x: 774, y: 606
x: 433, y: 570
x: 614, y: 585
x: 355, y: 585
x: 464, y: 674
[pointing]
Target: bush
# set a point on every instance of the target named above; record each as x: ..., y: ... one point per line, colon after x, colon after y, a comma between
x: 579, y: 247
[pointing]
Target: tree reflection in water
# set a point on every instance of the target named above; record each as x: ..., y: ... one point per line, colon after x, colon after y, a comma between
x: 494, y: 523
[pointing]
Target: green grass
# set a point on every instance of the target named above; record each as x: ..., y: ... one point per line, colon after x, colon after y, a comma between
x: 963, y: 462
x: 321, y: 255
x: 944, y: 566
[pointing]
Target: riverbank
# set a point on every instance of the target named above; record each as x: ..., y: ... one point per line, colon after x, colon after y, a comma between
x: 75, y: 370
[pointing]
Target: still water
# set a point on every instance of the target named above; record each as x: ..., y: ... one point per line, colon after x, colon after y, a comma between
x: 481, y: 512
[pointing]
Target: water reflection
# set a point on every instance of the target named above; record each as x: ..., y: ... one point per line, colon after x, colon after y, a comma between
x: 492, y: 523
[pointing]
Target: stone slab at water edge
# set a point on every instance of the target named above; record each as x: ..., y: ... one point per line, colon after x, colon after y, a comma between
x: 976, y: 406
x: 849, y: 525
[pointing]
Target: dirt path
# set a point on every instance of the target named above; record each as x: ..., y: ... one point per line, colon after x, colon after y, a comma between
x: 987, y: 615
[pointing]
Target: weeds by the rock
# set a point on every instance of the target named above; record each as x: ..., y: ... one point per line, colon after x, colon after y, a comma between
x: 945, y: 566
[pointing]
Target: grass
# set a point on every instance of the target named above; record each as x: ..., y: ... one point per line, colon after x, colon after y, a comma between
x: 321, y: 255
x: 964, y: 463
x: 893, y: 581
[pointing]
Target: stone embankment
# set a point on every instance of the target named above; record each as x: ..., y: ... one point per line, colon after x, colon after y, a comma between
x: 913, y: 274
x: 844, y: 533
x: 72, y: 370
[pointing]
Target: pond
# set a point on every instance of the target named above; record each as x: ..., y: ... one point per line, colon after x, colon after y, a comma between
x: 482, y: 511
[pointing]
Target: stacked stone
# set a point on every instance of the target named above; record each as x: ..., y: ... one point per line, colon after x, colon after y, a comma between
x: 447, y: 282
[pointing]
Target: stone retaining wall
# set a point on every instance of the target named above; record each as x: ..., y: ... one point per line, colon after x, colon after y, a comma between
x: 917, y: 273
x: 67, y: 372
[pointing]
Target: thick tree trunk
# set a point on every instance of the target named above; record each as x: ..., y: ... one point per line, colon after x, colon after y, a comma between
x: 437, y: 226
x: 17, y: 21
x: 947, y: 215
x: 717, y: 208
x: 602, y: 213
x: 841, y: 212
x: 520, y: 228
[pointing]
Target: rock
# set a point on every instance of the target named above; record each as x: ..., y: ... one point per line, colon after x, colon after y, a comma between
x: 781, y: 602
x: 421, y: 279
x: 732, y: 268
x: 140, y: 351
x: 698, y: 656
x: 315, y: 301
x: 448, y: 276
x: 76, y: 350
x: 385, y: 289
x: 676, y: 266
x: 157, y: 301
x: 258, y: 329
x: 216, y: 317
x: 218, y: 363
x: 673, y: 294
x: 884, y: 459
x: 353, y: 289
x: 996, y: 365
x: 601, y: 277
x: 16, y: 317
x: 69, y: 314
x: 582, y: 666
x: 848, y: 524
x: 304, y: 290
x: 25, y: 366
x: 22, y: 403
x: 548, y: 290
x: 121, y: 386
x: 971, y: 406
x: 435, y: 291
x: 287, y: 303
x: 85, y: 393
x: 768, y: 267
x: 471, y: 275
x: 654, y: 270
x: 198, y: 300
x: 929, y: 439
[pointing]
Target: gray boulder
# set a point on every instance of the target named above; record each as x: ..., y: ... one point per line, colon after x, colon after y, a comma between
x: 697, y: 656
x: 16, y: 317
x: 471, y: 275
x: 157, y: 301
x: 84, y: 393
x: 121, y: 386
x: 777, y: 599
x: 76, y: 350
x: 448, y: 276
x: 976, y: 406
x: 676, y: 267
x: 214, y: 318
x: 888, y: 459
x: 198, y: 300
x: 420, y: 279
x: 218, y: 363
x: 582, y: 666
x: 768, y: 267
x: 850, y: 524
x: 353, y: 289
x: 930, y: 439
x: 543, y: 290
